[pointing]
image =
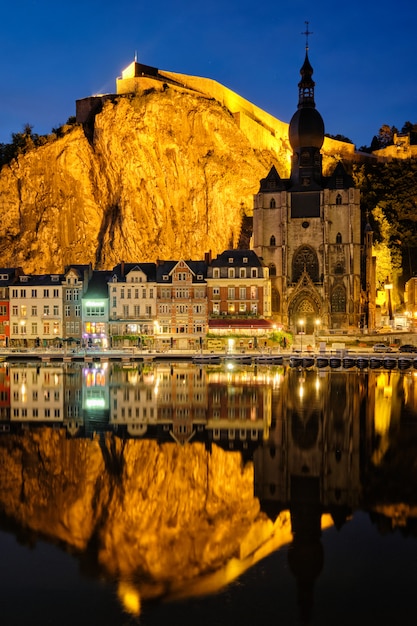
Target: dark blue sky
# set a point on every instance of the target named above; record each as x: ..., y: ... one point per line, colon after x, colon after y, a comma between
x: 364, y: 55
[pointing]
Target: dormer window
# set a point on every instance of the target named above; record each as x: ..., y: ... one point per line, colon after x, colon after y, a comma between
x: 165, y: 277
x: 216, y: 272
x: 199, y: 276
x: 245, y: 259
x: 23, y: 279
x: 230, y: 260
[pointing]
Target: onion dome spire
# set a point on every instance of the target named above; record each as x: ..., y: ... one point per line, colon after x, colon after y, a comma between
x: 306, y: 84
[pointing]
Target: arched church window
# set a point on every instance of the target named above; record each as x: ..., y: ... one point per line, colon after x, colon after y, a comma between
x: 338, y: 300
x: 272, y: 269
x: 305, y: 259
x: 338, y: 238
x: 272, y: 204
x: 272, y: 241
x: 338, y: 199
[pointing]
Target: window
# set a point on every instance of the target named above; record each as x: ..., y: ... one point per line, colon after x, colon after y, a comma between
x: 230, y: 293
x: 216, y: 272
x: 46, y: 293
x: 46, y: 309
x: 305, y: 259
x: 216, y: 291
x: 254, y: 272
x: 15, y: 310
x: 125, y: 310
x: 242, y: 272
x: 129, y: 294
x: 272, y: 204
x: 23, y: 293
x: 242, y: 293
x: 56, y: 293
x: 34, y: 293
x: 338, y: 238
x: 338, y: 300
x: 231, y: 272
x: 46, y: 329
x: 15, y: 328
x: 136, y: 309
x: 95, y: 310
x: 77, y: 310
x: 34, y: 311
x: 181, y: 276
x: 272, y: 241
x: 56, y: 309
x: 338, y: 199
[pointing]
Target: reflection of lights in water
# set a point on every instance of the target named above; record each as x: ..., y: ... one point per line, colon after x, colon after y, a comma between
x: 301, y: 380
x: 129, y: 597
x: 230, y: 366
x: 317, y: 384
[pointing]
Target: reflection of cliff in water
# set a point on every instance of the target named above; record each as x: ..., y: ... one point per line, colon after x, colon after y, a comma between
x: 175, y: 478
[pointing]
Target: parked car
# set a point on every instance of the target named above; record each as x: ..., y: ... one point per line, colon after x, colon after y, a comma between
x: 382, y: 347
x: 407, y: 347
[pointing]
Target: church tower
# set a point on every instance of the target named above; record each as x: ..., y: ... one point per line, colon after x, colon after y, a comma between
x: 307, y: 229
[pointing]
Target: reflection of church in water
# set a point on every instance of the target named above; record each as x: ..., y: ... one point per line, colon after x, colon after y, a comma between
x: 307, y: 229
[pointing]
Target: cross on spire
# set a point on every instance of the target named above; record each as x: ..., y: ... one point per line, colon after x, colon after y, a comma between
x: 307, y: 33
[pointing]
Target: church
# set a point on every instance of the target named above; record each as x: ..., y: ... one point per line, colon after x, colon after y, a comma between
x: 307, y: 230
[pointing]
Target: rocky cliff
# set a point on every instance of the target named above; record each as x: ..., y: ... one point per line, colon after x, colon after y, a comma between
x: 164, y: 173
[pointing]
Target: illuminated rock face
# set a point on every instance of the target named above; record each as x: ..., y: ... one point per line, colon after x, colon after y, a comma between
x: 166, y: 511
x: 167, y: 174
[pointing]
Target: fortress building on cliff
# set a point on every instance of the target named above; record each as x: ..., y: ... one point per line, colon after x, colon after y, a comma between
x: 261, y: 129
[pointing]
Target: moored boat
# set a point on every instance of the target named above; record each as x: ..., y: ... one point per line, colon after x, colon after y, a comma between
x: 335, y: 361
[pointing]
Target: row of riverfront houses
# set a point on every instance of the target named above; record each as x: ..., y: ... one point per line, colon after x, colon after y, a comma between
x: 167, y: 304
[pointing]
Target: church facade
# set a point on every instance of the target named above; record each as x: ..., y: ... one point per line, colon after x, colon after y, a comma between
x: 307, y: 230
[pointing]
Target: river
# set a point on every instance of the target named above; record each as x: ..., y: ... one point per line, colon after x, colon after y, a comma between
x: 215, y: 494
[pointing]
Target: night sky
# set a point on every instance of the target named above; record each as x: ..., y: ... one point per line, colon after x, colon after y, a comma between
x: 364, y: 55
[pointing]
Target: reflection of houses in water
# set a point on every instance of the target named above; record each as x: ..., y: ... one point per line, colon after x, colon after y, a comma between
x: 73, y: 411
x: 4, y: 397
x: 239, y: 407
x: 132, y: 400
x: 36, y: 394
x: 181, y: 392
x: 95, y: 397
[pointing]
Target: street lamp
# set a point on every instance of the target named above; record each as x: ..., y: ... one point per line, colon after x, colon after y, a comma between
x: 301, y: 324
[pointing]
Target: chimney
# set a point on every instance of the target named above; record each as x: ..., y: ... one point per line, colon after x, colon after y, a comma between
x: 122, y: 269
x: 207, y: 257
